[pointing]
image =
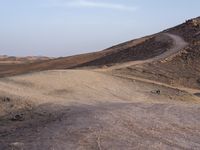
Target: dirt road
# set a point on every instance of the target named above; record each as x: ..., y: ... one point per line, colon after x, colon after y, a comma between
x: 178, y: 44
x: 181, y: 88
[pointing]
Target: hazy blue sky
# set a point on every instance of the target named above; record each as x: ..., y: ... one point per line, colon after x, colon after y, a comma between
x: 65, y: 27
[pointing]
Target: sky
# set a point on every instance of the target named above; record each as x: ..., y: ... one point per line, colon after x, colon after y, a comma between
x: 67, y: 27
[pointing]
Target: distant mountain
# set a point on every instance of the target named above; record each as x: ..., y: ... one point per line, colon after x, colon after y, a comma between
x: 20, y: 60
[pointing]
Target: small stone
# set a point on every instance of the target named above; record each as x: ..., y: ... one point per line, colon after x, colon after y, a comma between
x: 17, y: 146
x: 156, y: 92
x: 18, y: 117
x: 6, y: 99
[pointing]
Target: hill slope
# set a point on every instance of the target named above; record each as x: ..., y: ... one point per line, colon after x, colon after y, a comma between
x: 165, y: 69
x: 63, y: 62
x: 179, y: 69
x: 123, y: 97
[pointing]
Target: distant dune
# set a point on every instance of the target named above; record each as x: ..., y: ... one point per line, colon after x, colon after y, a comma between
x: 4, y: 59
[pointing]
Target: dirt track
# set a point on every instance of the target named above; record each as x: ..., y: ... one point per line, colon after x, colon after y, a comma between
x: 178, y: 44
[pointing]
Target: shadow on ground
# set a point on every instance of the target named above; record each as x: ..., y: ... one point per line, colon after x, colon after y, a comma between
x: 104, y: 126
x: 197, y: 94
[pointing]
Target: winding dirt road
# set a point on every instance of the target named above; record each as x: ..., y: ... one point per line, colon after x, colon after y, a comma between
x: 178, y: 44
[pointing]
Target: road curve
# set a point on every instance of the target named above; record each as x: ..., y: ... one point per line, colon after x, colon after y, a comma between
x: 178, y: 44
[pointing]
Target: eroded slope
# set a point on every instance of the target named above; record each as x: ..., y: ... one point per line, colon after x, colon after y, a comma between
x: 181, y: 69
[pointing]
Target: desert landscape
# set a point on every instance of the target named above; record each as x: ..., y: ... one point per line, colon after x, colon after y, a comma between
x: 141, y: 94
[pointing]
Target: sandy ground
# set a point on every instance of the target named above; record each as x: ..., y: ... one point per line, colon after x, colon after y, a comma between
x: 95, y: 110
x: 79, y: 109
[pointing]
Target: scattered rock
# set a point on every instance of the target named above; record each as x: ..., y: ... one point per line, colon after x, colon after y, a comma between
x: 6, y: 99
x: 18, y: 117
x: 197, y: 94
x: 156, y: 92
x: 194, y: 22
x: 17, y: 146
x: 198, y: 81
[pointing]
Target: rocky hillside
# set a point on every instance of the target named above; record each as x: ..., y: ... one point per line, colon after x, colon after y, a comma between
x: 150, y: 48
x: 63, y: 62
x: 180, y: 69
